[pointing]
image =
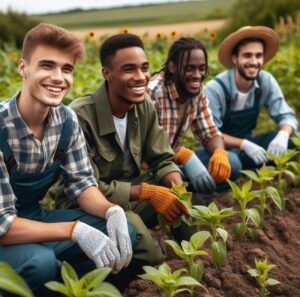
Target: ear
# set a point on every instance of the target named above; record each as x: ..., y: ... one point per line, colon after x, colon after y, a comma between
x: 106, y: 73
x: 171, y: 67
x: 234, y: 59
x: 22, y: 68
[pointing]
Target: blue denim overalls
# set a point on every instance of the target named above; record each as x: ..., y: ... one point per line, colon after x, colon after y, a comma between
x: 241, y: 123
x: 39, y: 263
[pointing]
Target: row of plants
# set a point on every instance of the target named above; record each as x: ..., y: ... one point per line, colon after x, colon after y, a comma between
x: 251, y: 205
x: 271, y: 183
x: 210, y: 217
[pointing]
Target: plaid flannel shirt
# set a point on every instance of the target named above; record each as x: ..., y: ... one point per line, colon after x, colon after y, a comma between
x: 198, y: 115
x: 33, y: 155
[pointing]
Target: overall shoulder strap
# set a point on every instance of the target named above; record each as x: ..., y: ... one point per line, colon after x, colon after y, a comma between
x: 9, y: 159
x: 258, y: 91
x: 65, y: 136
x: 225, y: 90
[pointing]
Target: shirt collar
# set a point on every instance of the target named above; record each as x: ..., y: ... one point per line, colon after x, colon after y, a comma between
x: 21, y: 128
x: 233, y: 86
x: 103, y: 110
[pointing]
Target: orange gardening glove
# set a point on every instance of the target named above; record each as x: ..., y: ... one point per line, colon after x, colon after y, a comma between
x: 183, y: 155
x: 219, y: 166
x: 163, y: 201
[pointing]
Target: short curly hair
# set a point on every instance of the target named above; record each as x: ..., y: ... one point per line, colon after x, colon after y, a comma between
x: 118, y: 41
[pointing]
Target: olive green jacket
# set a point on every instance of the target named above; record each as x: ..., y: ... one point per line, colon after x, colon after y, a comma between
x: 146, y: 141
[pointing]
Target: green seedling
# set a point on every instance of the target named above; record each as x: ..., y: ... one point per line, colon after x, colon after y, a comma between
x: 185, y: 198
x: 282, y: 163
x: 11, y: 282
x: 261, y: 271
x: 211, y: 217
x: 262, y: 176
x: 90, y: 285
x: 243, y: 196
x: 296, y: 140
x: 189, y: 250
x: 294, y: 166
x: 171, y: 283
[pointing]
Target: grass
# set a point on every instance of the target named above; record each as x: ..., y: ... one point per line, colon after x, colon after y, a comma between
x: 140, y: 15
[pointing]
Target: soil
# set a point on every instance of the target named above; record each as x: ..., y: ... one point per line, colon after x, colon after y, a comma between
x: 177, y: 29
x: 279, y: 242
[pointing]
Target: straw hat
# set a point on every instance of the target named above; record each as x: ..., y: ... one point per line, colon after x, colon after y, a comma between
x: 269, y: 36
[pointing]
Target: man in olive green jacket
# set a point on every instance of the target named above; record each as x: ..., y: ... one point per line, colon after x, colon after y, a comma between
x: 122, y: 133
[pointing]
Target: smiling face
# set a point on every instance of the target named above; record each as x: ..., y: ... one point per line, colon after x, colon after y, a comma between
x: 127, y: 75
x: 47, y: 75
x: 249, y: 60
x: 189, y: 81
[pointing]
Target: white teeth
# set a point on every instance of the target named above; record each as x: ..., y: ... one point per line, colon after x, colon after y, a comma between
x: 53, y: 89
x: 195, y: 84
x: 138, y: 90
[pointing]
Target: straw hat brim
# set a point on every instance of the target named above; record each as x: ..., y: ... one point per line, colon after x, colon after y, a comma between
x: 269, y: 36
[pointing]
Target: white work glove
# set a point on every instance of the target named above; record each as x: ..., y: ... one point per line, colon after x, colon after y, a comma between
x: 279, y: 143
x: 254, y: 151
x: 117, y: 230
x: 96, y: 245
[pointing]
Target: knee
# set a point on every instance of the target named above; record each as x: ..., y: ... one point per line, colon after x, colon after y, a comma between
x: 41, y: 268
x: 146, y: 248
x: 236, y: 165
x: 132, y: 235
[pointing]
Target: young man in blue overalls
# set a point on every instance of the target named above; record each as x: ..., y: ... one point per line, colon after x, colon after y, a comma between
x: 237, y: 95
x: 40, y: 139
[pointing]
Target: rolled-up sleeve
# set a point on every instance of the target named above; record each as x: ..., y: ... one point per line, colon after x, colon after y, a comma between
x: 204, y: 126
x: 78, y: 173
x: 216, y: 102
x: 7, y: 200
x: 276, y: 104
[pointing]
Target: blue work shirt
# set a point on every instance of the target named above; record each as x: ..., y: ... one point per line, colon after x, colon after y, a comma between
x: 271, y: 97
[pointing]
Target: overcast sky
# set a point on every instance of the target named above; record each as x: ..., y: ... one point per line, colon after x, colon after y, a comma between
x: 45, y: 6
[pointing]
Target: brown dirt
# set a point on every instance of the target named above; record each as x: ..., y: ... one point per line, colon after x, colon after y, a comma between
x: 280, y: 243
x: 152, y: 31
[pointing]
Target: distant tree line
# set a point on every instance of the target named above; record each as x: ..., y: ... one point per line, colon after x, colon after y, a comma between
x: 13, y: 27
x: 259, y: 12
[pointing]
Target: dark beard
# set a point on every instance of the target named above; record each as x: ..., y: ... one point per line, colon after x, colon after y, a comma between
x: 243, y: 74
x: 181, y: 89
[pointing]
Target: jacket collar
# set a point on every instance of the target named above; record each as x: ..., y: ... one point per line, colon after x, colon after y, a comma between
x: 104, y: 113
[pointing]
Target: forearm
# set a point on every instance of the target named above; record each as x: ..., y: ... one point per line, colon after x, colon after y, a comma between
x: 286, y: 128
x: 231, y: 141
x: 28, y: 231
x: 214, y: 143
x: 93, y: 202
x: 174, y: 177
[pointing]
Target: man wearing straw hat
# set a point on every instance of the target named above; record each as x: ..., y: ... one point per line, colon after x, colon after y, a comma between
x: 237, y: 95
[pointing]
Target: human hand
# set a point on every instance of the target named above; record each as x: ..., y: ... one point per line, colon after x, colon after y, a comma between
x: 163, y: 200
x: 195, y: 170
x: 254, y: 151
x: 279, y: 144
x: 219, y: 166
x: 96, y: 245
x: 117, y: 229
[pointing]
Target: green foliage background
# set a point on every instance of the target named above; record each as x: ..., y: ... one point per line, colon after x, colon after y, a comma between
x: 283, y: 15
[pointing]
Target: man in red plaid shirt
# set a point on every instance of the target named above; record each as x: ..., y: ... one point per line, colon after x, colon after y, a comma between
x: 180, y: 102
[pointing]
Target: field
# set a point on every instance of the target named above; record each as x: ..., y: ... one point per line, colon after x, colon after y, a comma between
x: 141, y: 15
